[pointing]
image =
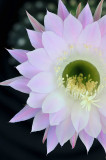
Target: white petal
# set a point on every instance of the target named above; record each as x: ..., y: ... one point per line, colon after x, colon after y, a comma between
x: 35, y: 100
x: 85, y: 17
x: 53, y: 23
x: 72, y: 29
x: 56, y: 118
x: 93, y: 127
x: 54, y: 45
x: 54, y: 102
x: 35, y: 38
x: 86, y: 139
x: 79, y: 116
x: 65, y: 131
x: 91, y: 35
x: 40, y: 59
x: 41, y: 121
x: 44, y: 82
x: 27, y: 70
x: 51, y: 139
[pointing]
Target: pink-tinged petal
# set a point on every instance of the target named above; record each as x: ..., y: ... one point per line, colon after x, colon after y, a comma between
x: 18, y: 83
x: 78, y: 11
x: 36, y: 25
x: 45, y: 135
x: 56, y: 118
x: 54, y: 45
x: 72, y: 29
x: 85, y: 16
x: 79, y: 116
x: 44, y: 82
x: 54, y: 102
x: 98, y: 11
x: 27, y: 70
x: 93, y: 127
x: 103, y: 42
x: 73, y: 140
x: 65, y: 131
x: 41, y: 121
x: 102, y: 140
x: 102, y: 25
x: 87, y: 38
x: 86, y: 139
x: 62, y: 10
x: 53, y: 23
x: 7, y: 82
x: 35, y: 100
x: 51, y: 139
x: 35, y: 38
x: 40, y: 59
x: 25, y: 114
x: 103, y: 123
x: 18, y: 54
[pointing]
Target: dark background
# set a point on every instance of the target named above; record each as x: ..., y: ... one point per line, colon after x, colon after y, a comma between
x: 16, y: 141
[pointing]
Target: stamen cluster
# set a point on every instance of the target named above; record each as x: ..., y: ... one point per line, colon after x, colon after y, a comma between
x: 80, y: 85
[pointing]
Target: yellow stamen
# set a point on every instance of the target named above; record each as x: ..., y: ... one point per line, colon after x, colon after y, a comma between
x: 82, y: 88
x: 78, y: 84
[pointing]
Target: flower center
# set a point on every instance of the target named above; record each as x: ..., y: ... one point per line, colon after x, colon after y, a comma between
x: 81, y: 78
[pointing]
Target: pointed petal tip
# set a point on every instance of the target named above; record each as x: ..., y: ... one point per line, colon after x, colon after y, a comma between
x: 3, y: 83
x: 33, y: 130
x: 28, y: 30
x: 12, y: 121
x: 27, y: 13
x: 36, y: 25
x: 60, y: 1
x: 78, y: 11
x: 9, y: 50
x: 45, y: 135
x: 73, y: 147
x: 6, y: 49
x: 62, y: 10
x: 49, y: 151
x: 47, y: 11
x: 62, y: 144
x: 98, y: 12
x: 80, y: 4
x: 87, y: 5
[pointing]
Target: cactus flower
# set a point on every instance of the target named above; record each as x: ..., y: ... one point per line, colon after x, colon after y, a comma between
x: 65, y: 77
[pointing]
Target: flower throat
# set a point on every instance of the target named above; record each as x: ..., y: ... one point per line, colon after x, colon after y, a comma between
x: 81, y: 78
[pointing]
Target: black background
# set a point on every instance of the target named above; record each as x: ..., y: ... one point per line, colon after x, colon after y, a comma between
x: 16, y: 141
